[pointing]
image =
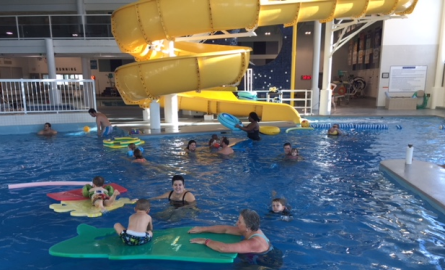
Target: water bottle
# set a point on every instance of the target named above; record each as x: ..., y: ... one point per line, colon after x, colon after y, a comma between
x: 409, y: 154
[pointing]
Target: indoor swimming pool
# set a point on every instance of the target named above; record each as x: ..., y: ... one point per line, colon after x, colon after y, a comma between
x: 345, y: 213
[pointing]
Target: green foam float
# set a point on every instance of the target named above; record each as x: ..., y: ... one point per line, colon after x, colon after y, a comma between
x: 168, y: 244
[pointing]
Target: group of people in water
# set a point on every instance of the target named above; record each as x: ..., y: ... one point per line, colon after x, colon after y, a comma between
x: 140, y: 224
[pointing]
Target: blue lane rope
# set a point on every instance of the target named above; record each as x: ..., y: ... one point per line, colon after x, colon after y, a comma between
x: 355, y: 126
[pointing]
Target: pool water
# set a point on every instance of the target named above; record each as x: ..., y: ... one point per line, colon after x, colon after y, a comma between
x: 346, y: 214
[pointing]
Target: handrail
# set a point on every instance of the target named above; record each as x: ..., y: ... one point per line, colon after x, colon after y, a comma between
x: 302, y: 104
x: 46, y: 95
x: 56, y: 26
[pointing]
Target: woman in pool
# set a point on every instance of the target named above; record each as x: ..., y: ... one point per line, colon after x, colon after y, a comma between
x: 138, y: 158
x: 252, y: 129
x: 248, y: 226
x: 191, y: 146
x: 179, y: 196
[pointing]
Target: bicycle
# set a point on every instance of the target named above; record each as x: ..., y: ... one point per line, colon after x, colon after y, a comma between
x: 355, y: 86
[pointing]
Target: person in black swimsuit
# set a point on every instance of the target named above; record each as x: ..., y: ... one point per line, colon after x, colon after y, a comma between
x: 179, y: 196
x: 252, y: 129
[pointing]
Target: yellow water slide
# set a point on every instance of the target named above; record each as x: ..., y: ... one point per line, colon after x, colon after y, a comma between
x: 148, y: 29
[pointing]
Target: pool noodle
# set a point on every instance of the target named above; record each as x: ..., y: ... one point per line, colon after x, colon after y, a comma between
x: 49, y: 183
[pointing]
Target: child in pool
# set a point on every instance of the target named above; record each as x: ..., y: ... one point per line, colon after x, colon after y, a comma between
x: 294, y: 154
x: 279, y: 207
x: 335, y: 130
x: 140, y: 226
x: 99, y: 195
x: 214, y: 142
x: 131, y: 148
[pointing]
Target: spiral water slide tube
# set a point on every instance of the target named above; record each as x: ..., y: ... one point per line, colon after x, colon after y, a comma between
x: 147, y: 29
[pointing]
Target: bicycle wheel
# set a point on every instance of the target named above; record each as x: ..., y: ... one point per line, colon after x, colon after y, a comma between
x: 359, y: 85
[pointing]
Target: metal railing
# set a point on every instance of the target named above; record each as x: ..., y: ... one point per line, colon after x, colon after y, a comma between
x: 43, y: 96
x: 302, y: 100
x: 62, y: 26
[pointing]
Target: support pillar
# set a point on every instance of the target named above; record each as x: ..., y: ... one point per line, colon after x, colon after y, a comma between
x: 88, y: 94
x: 316, y: 67
x: 146, y: 114
x: 54, y: 93
x: 155, y: 115
x: 437, y: 93
x: 171, y: 109
x: 326, y: 92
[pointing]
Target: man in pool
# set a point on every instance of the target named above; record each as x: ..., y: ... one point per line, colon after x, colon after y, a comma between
x: 47, y: 130
x: 104, y: 127
x: 225, y: 148
x: 287, y: 147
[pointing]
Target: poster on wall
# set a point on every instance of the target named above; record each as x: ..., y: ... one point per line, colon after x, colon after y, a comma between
x: 350, y: 52
x: 354, y: 53
x: 376, y: 50
x: 368, y: 50
x: 407, y: 78
x: 361, y: 50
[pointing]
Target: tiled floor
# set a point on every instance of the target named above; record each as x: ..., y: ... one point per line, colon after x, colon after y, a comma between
x: 431, y: 187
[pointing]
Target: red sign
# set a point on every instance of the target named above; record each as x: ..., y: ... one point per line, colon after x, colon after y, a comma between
x: 306, y: 77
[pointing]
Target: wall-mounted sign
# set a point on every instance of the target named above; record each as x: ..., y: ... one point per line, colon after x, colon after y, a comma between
x: 306, y: 77
x: 407, y: 78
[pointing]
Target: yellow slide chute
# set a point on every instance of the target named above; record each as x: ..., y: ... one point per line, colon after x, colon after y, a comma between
x: 145, y: 28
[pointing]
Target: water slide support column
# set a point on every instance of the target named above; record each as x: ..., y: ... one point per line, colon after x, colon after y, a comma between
x: 294, y: 63
x: 326, y: 92
x: 438, y: 97
x: 171, y: 109
x: 316, y: 67
x: 155, y: 115
x: 54, y: 94
x: 171, y: 101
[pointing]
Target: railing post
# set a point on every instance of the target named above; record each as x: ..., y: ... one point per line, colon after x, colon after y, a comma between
x: 18, y: 28
x: 22, y: 87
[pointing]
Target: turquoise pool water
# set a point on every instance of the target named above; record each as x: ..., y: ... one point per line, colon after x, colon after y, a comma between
x: 346, y: 214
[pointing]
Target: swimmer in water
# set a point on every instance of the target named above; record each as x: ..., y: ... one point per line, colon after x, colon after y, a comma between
x: 214, y: 142
x: 279, y: 207
x: 191, y: 146
x: 335, y: 130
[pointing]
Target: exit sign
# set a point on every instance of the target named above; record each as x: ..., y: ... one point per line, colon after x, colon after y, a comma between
x: 306, y: 77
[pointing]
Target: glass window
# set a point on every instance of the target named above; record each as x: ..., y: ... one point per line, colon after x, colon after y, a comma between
x: 66, y: 26
x: 98, y: 26
x: 8, y: 28
x: 34, y: 26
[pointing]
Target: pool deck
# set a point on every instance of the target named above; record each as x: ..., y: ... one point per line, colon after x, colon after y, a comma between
x: 423, y: 178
